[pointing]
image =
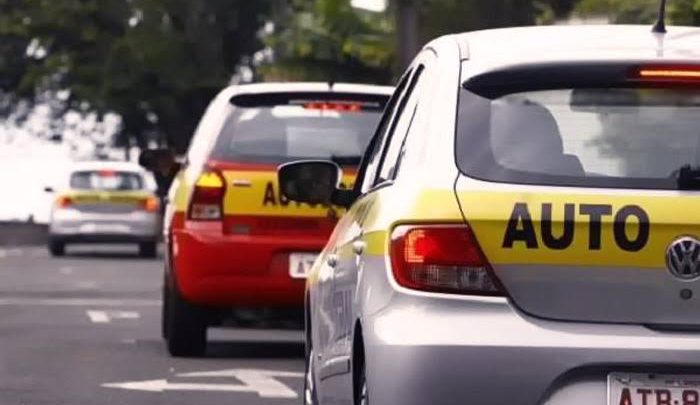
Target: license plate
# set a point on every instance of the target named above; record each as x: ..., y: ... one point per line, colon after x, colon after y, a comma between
x: 103, y: 228
x: 300, y: 264
x: 653, y: 389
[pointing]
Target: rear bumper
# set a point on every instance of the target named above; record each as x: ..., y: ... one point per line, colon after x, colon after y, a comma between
x: 430, y: 350
x: 75, y: 227
x: 239, y: 271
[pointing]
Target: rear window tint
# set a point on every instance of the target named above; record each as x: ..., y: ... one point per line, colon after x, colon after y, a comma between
x: 298, y: 129
x: 108, y: 180
x: 606, y: 137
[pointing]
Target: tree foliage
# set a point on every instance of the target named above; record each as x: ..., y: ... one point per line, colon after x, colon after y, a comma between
x: 156, y: 63
x: 682, y: 12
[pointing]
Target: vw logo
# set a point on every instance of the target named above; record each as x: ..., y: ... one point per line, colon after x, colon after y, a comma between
x: 683, y: 258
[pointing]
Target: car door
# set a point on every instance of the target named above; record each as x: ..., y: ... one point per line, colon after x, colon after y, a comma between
x: 381, y: 162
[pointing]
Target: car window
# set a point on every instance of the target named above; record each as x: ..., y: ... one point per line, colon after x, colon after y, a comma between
x: 372, y: 156
x: 605, y: 137
x: 387, y: 168
x: 106, y: 180
x: 324, y: 128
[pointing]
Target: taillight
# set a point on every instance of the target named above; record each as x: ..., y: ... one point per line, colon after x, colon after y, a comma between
x: 208, y: 196
x: 150, y: 204
x: 64, y: 201
x: 441, y: 258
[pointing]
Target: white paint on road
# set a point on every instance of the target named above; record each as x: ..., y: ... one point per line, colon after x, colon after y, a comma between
x: 66, y: 270
x: 78, y: 302
x: 86, y: 285
x: 108, y: 316
x: 262, y: 382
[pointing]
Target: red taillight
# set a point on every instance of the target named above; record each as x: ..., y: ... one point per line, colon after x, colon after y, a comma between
x: 441, y: 258
x: 667, y: 73
x: 208, y: 196
x: 150, y: 204
x: 64, y: 202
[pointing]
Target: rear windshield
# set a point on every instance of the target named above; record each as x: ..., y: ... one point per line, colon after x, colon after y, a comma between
x: 108, y: 180
x: 606, y: 137
x: 299, y: 129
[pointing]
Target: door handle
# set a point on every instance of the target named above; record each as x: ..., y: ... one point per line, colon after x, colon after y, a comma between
x: 358, y: 247
x: 332, y: 260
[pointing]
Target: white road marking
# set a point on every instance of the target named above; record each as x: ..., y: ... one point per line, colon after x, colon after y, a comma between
x: 66, y: 270
x: 86, y: 285
x: 107, y: 316
x: 262, y: 382
x: 3, y: 254
x: 78, y: 302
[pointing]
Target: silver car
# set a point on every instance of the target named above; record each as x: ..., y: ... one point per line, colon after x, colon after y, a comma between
x: 106, y: 202
x: 524, y: 228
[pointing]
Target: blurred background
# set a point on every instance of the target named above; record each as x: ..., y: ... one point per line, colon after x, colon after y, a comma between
x: 102, y: 79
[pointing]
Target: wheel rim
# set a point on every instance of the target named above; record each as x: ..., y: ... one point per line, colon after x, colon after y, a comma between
x: 309, y: 383
x: 364, y: 397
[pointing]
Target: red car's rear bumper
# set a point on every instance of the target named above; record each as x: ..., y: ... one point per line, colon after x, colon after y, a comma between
x: 215, y: 269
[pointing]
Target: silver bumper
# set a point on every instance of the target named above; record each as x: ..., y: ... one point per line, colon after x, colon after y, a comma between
x: 424, y: 350
x: 74, y: 226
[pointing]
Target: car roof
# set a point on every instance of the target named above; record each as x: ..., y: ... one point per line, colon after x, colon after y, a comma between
x: 294, y: 87
x: 579, y: 43
x: 106, y: 165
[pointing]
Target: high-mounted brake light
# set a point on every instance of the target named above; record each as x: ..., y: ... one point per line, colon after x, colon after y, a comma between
x: 208, y: 196
x: 670, y: 73
x: 107, y: 173
x: 441, y: 258
x: 333, y: 106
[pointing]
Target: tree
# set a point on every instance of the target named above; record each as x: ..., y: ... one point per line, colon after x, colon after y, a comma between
x: 682, y: 12
x: 156, y: 63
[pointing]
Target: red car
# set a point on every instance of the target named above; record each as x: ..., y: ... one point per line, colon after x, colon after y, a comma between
x: 235, y: 246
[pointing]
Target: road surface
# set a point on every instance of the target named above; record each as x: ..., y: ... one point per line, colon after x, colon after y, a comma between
x: 84, y: 329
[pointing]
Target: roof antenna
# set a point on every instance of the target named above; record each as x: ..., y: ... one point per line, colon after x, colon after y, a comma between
x: 660, y: 25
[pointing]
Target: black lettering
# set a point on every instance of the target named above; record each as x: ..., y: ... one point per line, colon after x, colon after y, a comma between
x: 625, y: 397
x: 567, y: 235
x: 269, y: 198
x: 645, y: 393
x: 690, y: 397
x: 595, y: 228
x: 620, y: 228
x: 663, y: 397
x: 524, y: 233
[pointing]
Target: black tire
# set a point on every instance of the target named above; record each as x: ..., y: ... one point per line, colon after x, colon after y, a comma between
x: 148, y: 249
x: 186, y: 326
x: 57, y: 248
x: 310, y: 395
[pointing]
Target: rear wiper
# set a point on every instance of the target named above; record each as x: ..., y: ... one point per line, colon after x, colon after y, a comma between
x: 349, y: 160
x: 688, y: 177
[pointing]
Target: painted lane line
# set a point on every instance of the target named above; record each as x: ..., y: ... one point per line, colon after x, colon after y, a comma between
x: 79, y: 302
x: 262, y: 382
x: 107, y: 316
x: 66, y: 270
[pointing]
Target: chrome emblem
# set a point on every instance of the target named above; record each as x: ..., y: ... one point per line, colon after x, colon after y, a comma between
x: 683, y: 258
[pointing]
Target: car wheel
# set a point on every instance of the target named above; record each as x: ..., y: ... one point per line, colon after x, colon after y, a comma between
x: 57, y: 248
x: 310, y: 396
x: 186, y: 326
x: 148, y: 249
x: 362, y: 397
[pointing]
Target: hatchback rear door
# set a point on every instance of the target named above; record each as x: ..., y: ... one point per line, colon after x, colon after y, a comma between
x: 583, y: 193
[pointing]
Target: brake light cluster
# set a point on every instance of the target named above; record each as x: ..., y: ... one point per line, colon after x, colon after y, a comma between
x: 441, y: 258
x: 207, y: 199
x: 64, y: 201
x: 150, y: 204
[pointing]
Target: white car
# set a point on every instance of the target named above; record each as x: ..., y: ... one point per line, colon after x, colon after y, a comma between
x: 105, y: 202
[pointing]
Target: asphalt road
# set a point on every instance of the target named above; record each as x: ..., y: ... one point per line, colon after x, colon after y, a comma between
x: 85, y: 330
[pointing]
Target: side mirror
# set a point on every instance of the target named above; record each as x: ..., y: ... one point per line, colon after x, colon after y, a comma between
x: 161, y: 161
x: 310, y: 181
